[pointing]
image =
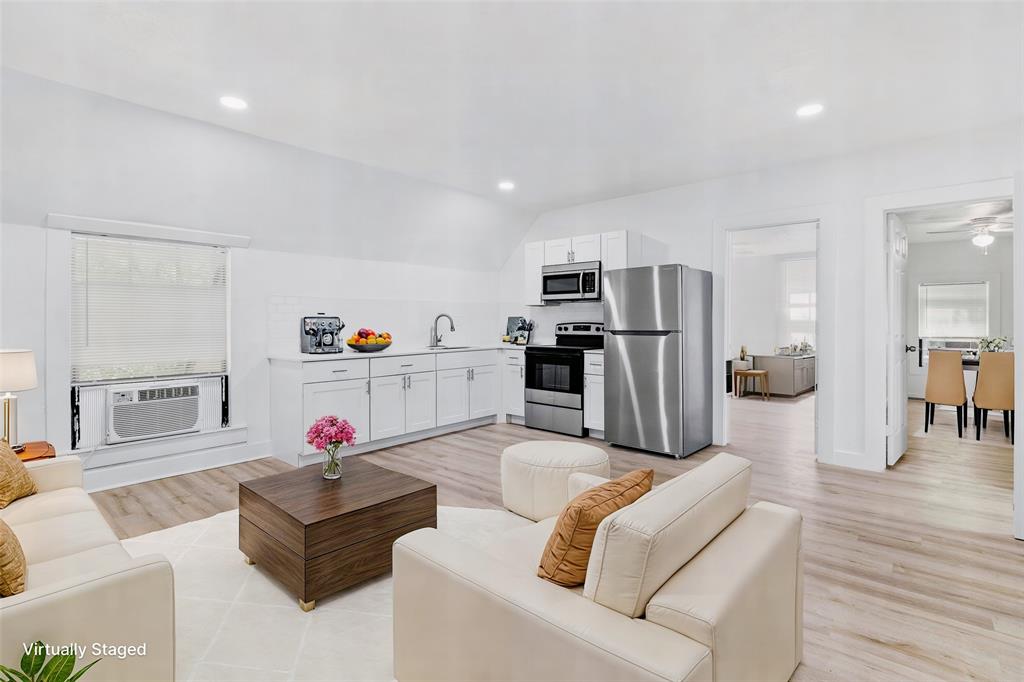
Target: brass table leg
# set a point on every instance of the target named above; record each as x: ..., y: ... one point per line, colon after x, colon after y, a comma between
x: 307, y: 606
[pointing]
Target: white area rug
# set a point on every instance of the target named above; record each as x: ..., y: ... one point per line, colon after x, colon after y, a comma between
x: 236, y: 623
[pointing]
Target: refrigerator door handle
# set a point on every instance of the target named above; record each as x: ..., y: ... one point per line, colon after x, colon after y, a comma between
x: 666, y: 332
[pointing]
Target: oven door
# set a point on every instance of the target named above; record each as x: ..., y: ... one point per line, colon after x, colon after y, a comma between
x: 554, y: 378
x: 561, y: 286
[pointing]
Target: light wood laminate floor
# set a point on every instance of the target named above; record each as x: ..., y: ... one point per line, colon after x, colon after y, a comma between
x: 911, y: 574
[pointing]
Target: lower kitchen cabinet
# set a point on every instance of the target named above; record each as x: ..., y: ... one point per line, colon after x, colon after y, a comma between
x: 402, y: 404
x: 464, y: 394
x: 788, y: 375
x: 348, y: 399
x: 513, y: 389
x: 593, y: 401
x: 483, y: 391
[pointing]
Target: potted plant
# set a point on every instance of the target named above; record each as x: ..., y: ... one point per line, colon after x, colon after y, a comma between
x: 328, y: 434
x: 35, y: 667
x: 993, y: 344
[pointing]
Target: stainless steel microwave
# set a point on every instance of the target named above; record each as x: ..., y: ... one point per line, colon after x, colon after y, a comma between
x: 571, y: 282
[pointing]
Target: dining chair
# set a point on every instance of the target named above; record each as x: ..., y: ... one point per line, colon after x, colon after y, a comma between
x: 994, y: 391
x: 945, y: 386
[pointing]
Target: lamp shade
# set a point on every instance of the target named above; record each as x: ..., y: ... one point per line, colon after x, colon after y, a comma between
x: 17, y: 370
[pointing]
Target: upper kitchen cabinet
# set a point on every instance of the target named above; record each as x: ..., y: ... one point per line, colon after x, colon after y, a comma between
x: 615, y: 250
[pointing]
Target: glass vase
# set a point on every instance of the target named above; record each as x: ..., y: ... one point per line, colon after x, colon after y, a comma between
x: 332, y: 463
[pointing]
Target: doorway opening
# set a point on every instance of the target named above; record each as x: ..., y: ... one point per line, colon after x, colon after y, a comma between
x: 951, y: 302
x: 772, y: 334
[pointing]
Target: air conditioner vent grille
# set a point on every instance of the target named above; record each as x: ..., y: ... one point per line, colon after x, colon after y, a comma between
x: 168, y: 392
x: 153, y: 411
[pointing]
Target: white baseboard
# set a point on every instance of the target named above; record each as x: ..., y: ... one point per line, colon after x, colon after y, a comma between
x: 117, y: 475
x: 853, y: 460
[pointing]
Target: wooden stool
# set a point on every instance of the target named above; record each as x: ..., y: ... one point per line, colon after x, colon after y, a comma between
x: 761, y: 374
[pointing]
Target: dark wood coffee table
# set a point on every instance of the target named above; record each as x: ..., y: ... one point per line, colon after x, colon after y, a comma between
x: 317, y: 536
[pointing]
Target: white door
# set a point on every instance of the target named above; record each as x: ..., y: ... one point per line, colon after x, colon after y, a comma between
x: 344, y: 399
x: 387, y: 407
x: 483, y: 391
x: 896, y: 418
x: 556, y: 251
x: 420, y: 402
x: 613, y: 250
x: 452, y: 396
x: 585, y: 248
x: 533, y: 264
x: 593, y: 401
x: 513, y: 389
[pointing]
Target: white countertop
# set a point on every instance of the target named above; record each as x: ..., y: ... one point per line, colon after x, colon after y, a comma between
x: 595, y: 351
x: 393, y: 351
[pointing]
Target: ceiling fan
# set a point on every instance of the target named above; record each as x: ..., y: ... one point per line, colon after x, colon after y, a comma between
x: 981, y: 229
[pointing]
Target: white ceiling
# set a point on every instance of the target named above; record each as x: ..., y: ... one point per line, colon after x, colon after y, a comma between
x: 921, y: 221
x: 573, y: 101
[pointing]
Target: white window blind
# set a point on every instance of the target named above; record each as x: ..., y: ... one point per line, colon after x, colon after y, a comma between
x: 800, y: 316
x: 142, y: 309
x: 952, y: 310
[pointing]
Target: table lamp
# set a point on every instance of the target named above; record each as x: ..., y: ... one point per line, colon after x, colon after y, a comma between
x: 17, y: 373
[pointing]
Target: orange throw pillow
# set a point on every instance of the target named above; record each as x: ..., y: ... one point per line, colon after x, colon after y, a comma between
x: 565, y: 558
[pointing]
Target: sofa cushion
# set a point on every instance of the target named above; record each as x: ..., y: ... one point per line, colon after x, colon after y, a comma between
x: 520, y: 548
x: 12, y: 563
x: 105, y: 558
x: 565, y: 556
x: 15, y: 481
x: 61, y: 536
x: 639, y: 547
x: 47, y: 505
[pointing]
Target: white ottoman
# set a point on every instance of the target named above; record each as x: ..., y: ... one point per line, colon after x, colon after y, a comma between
x: 535, y: 474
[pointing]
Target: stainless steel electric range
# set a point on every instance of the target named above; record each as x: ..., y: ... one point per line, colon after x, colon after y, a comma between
x: 554, y: 378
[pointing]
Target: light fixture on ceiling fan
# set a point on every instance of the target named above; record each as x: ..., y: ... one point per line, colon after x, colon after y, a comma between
x: 980, y: 230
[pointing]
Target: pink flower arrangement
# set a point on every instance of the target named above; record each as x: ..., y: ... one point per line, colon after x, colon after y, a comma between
x: 330, y: 433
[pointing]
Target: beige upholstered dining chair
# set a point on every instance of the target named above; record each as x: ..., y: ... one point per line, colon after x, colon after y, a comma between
x: 994, y: 391
x: 945, y: 387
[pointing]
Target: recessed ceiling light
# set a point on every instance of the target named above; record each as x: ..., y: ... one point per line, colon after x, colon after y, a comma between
x: 808, y: 110
x: 232, y: 102
x: 506, y: 185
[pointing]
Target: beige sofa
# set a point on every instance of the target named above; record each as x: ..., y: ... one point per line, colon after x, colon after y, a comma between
x: 81, y: 586
x: 687, y: 583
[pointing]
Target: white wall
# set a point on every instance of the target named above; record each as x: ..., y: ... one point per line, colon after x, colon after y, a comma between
x: 377, y: 248
x: 686, y: 217
x: 755, y: 304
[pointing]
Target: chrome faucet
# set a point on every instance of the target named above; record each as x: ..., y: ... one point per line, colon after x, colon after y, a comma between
x: 435, y: 338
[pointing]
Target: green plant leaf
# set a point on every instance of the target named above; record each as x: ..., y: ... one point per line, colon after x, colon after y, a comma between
x: 57, y: 669
x: 32, y: 661
x: 81, y: 672
x: 12, y: 675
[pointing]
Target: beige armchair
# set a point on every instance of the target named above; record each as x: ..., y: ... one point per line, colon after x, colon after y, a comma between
x: 81, y: 586
x: 687, y: 583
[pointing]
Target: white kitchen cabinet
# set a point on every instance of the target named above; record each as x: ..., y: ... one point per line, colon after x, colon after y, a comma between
x: 483, y: 391
x: 627, y: 249
x: 401, y: 404
x: 557, y: 251
x: 614, y: 250
x: 586, y: 248
x: 513, y: 389
x: 348, y: 399
x: 387, y: 407
x: 593, y: 401
x: 533, y: 264
x: 452, y: 396
x: 420, y: 402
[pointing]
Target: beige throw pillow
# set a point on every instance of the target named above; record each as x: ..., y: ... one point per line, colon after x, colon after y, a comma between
x: 15, y: 481
x: 12, y: 562
x: 565, y: 557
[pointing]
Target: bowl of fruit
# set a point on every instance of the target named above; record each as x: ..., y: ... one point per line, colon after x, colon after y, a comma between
x: 368, y: 341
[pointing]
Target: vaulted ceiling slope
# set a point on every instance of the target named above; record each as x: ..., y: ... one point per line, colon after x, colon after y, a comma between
x: 66, y: 150
x: 575, y: 102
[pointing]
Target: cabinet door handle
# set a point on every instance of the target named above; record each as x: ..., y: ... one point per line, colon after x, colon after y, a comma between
x: 472, y: 374
x: 521, y: 373
x: 367, y: 387
x: 408, y: 364
x: 339, y: 371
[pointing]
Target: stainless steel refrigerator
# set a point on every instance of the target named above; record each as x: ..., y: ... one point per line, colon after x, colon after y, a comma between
x: 657, y: 358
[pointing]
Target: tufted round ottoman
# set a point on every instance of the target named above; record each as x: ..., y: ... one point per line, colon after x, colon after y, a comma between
x: 535, y: 474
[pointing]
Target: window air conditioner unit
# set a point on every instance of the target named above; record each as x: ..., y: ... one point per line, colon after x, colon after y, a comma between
x: 141, y: 411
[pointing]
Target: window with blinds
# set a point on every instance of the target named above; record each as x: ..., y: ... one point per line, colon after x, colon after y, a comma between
x: 952, y: 310
x: 147, y: 309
